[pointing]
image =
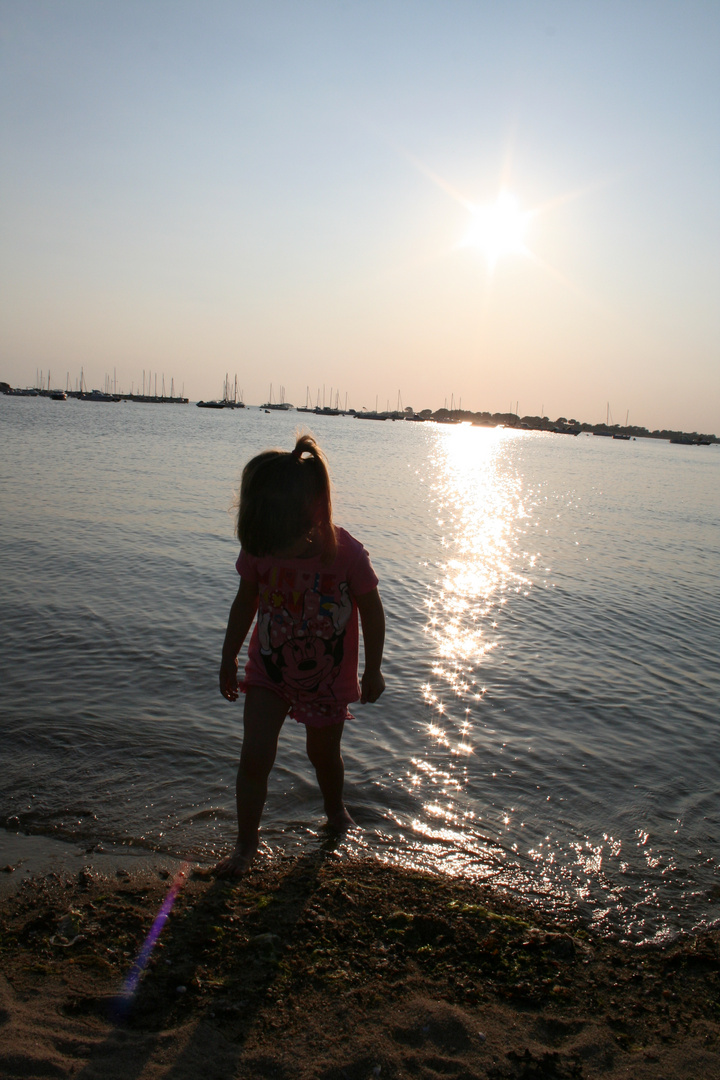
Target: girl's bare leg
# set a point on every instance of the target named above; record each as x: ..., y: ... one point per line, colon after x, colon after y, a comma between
x: 323, y: 749
x: 262, y: 720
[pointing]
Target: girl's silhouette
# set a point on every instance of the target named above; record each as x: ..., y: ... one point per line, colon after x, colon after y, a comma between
x: 306, y: 579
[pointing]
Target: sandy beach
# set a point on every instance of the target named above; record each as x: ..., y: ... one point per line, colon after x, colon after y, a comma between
x: 324, y: 967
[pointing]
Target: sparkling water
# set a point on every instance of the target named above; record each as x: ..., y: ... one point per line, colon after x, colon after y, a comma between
x: 553, y: 609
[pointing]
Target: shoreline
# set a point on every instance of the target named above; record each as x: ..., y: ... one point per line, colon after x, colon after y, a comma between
x: 27, y: 856
x: 314, y: 966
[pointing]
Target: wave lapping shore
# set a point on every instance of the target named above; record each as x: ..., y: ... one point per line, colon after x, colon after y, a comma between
x: 338, y: 969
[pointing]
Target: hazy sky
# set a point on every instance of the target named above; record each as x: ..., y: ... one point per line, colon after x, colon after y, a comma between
x: 283, y: 191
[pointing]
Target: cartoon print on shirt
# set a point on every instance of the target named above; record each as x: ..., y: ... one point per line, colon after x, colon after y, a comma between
x: 343, y: 610
x: 304, y: 653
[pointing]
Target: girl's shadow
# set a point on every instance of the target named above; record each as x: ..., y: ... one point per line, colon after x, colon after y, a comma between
x: 154, y: 1020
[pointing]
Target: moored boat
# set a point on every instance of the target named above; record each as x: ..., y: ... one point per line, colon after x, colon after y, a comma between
x: 98, y: 395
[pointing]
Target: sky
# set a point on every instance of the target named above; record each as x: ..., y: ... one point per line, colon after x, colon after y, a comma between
x: 437, y: 202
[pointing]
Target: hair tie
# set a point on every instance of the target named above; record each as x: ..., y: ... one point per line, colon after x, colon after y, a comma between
x: 297, y: 453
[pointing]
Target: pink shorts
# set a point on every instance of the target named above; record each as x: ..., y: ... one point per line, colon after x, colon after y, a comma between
x: 316, y: 714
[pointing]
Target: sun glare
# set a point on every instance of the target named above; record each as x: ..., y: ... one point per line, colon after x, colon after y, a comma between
x: 498, y: 229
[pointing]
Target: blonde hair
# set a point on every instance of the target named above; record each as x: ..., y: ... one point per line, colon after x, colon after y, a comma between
x: 283, y: 497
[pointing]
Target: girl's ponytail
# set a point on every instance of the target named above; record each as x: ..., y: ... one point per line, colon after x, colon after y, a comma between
x: 309, y: 455
x: 305, y: 444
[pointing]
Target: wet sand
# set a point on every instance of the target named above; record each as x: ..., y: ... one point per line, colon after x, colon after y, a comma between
x: 332, y: 969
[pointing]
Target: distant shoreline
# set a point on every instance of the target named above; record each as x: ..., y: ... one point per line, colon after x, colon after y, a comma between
x: 560, y: 426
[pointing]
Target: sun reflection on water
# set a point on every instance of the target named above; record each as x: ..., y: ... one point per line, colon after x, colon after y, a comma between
x: 479, y: 502
x: 479, y: 505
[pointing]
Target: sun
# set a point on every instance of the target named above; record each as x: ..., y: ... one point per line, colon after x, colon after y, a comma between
x: 498, y: 229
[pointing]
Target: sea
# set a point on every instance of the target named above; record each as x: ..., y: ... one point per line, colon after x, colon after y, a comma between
x: 550, y: 723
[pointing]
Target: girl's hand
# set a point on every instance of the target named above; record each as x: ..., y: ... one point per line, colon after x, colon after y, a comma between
x: 372, y: 685
x: 228, y: 679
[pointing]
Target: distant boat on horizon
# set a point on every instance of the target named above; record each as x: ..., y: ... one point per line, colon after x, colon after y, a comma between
x: 233, y: 402
x: 277, y: 406
x: 98, y: 395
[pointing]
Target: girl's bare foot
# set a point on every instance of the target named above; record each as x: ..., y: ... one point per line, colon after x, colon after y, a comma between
x: 237, y: 864
x: 341, y: 821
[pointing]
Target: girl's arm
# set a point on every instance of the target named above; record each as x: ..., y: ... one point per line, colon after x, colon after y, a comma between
x: 242, y: 614
x: 372, y: 619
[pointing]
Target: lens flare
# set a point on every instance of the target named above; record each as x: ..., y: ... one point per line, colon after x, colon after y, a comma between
x: 124, y: 999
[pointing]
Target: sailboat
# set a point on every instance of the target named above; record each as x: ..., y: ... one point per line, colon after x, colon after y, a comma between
x: 277, y: 406
x: 235, y: 402
x: 621, y: 436
x: 221, y: 404
x: 607, y: 434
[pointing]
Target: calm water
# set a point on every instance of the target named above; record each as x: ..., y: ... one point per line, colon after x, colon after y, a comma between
x: 553, y: 608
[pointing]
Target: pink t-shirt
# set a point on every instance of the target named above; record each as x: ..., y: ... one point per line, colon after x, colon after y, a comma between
x: 305, y: 641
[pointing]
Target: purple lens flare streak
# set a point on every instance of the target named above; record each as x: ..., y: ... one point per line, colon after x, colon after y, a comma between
x: 133, y: 978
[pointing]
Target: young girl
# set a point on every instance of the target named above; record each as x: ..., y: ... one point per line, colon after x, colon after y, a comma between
x: 307, y: 580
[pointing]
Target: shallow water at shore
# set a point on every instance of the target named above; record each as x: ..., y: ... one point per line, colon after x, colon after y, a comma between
x: 552, y: 602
